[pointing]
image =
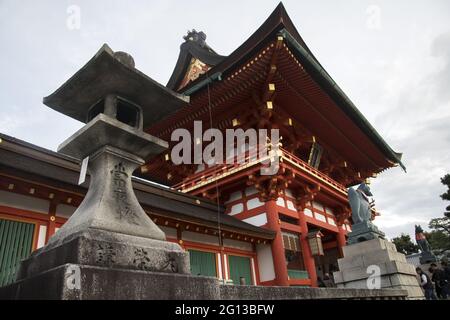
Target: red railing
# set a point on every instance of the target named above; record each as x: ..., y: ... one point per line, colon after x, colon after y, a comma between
x: 217, y: 170
x: 312, y: 171
x: 202, y: 177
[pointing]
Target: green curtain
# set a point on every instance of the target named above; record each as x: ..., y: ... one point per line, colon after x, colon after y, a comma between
x: 240, y: 267
x: 202, y: 263
x: 15, y: 245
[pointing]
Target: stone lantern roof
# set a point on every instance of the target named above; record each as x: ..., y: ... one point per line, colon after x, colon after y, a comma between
x: 110, y: 72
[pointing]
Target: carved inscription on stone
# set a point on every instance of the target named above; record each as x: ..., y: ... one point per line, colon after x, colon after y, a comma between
x: 170, y: 265
x: 105, y: 254
x: 142, y: 261
x: 123, y: 209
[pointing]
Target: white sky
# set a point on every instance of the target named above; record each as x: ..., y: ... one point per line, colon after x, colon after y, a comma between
x: 392, y: 58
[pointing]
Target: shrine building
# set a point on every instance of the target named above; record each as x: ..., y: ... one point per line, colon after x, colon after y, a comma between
x: 285, y: 229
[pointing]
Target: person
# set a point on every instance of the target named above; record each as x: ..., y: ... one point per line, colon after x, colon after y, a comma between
x: 438, y: 278
x: 426, y: 284
x: 320, y: 283
x: 328, y: 280
x: 446, y: 276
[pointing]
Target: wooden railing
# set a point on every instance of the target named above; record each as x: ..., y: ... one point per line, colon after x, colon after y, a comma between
x: 217, y: 172
x: 209, y: 174
x: 299, y: 163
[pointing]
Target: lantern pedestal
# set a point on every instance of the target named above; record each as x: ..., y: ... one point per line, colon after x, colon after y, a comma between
x: 376, y: 264
x: 109, y: 230
x: 364, y: 231
x: 427, y: 257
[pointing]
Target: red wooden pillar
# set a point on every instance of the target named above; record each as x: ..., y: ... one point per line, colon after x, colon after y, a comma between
x: 279, y: 259
x: 308, y: 258
x: 341, y: 241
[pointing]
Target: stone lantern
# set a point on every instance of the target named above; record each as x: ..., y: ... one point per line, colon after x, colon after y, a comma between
x: 115, y: 101
x: 109, y: 231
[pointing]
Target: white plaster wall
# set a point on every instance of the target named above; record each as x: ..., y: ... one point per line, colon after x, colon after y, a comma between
x: 308, y: 212
x: 320, y: 217
x: 331, y: 221
x: 64, y: 210
x: 41, y: 236
x: 290, y: 205
x: 250, y: 190
x: 254, y: 203
x: 170, y: 232
x: 234, y: 196
x: 280, y: 202
x: 265, y: 262
x: 231, y: 243
x: 19, y: 201
x: 237, y: 208
x: 199, y: 237
x: 258, y: 220
x: 317, y: 205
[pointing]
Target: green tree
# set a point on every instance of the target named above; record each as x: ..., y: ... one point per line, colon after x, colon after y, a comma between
x: 439, y: 241
x: 446, y: 181
x: 405, y: 245
x: 446, y: 195
x: 443, y: 224
x: 439, y: 237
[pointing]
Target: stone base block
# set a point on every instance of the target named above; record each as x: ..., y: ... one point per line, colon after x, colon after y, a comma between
x: 364, y: 231
x: 350, y: 273
x: 107, y: 249
x: 427, y: 258
x: 362, y: 261
x: 375, y: 257
x: 112, y: 284
x: 366, y: 246
x: 388, y: 282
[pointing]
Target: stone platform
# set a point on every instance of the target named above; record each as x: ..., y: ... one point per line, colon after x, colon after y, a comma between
x: 361, y: 259
x: 99, y: 248
x: 99, y: 283
x: 98, y: 264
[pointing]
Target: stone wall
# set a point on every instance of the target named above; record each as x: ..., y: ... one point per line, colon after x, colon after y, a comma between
x: 111, y: 284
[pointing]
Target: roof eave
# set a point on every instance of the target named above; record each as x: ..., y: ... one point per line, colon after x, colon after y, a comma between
x: 349, y: 108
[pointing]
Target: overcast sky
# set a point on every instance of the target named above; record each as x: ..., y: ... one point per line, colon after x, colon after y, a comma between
x: 392, y: 58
